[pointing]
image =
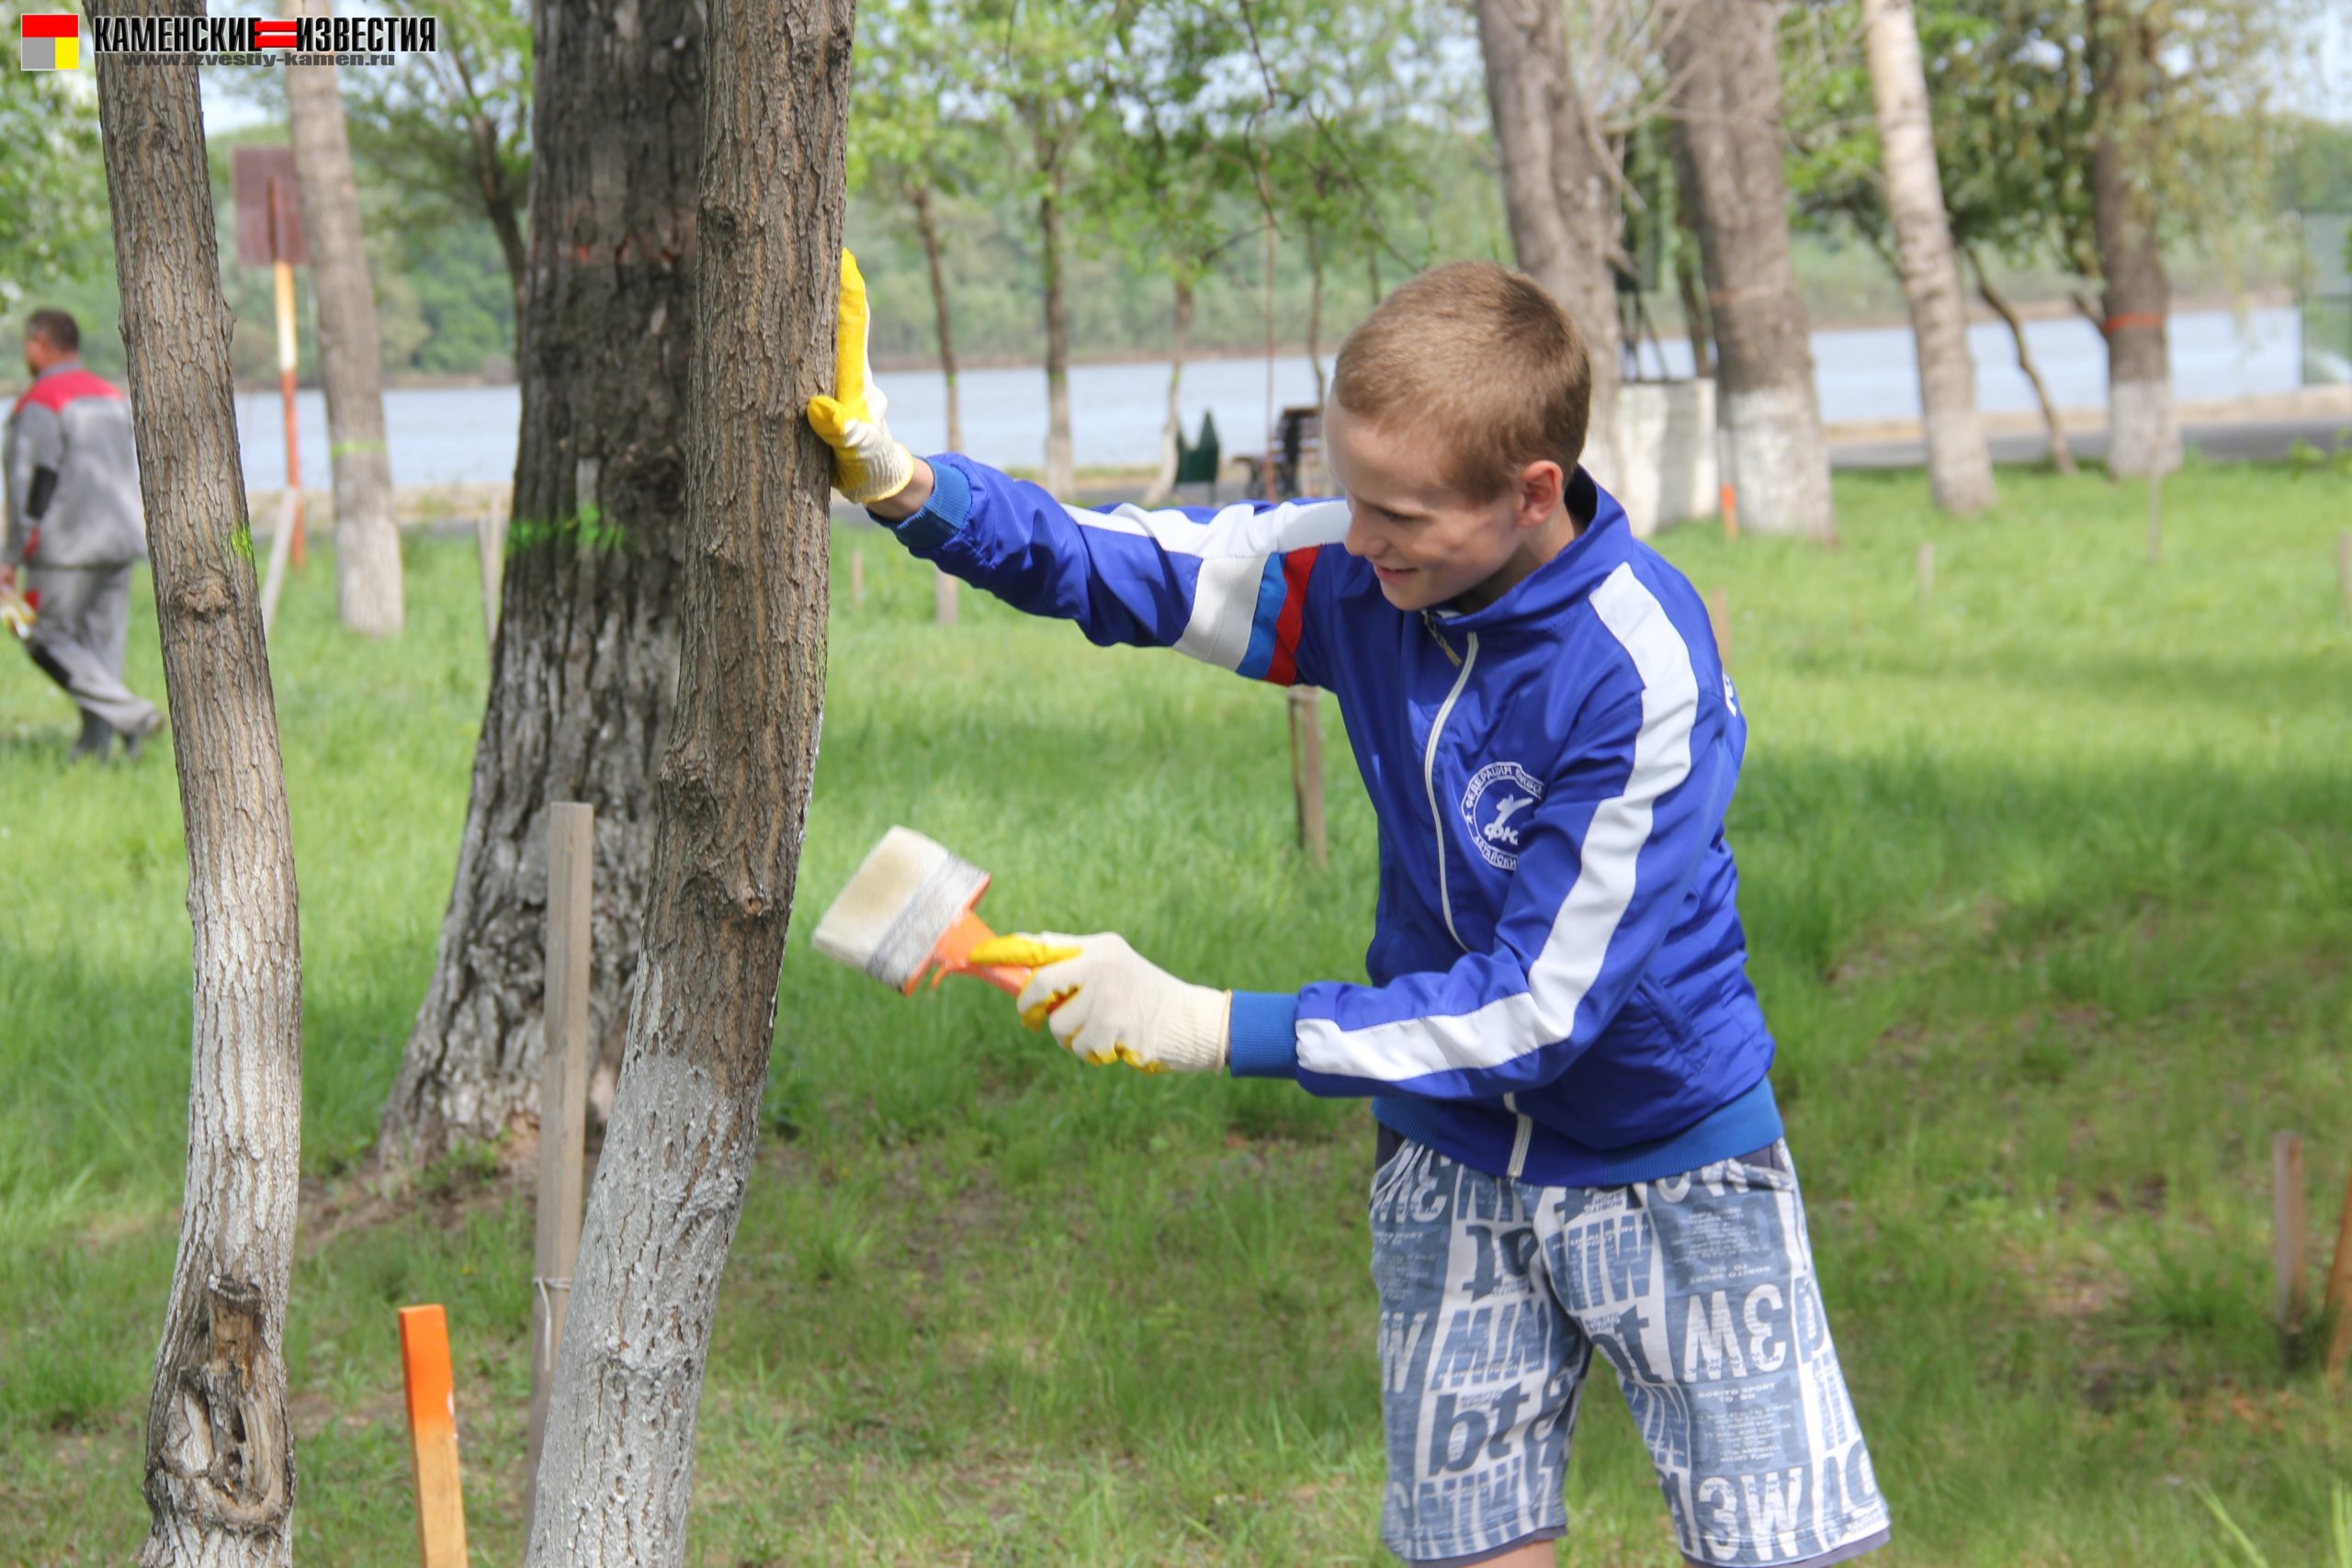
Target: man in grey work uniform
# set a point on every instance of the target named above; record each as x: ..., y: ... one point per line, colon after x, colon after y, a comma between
x: 76, y: 529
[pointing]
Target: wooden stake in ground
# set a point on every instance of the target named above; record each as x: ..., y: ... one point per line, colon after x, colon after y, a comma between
x: 1927, y: 570
x: 2338, y: 1304
x: 942, y: 598
x: 220, y: 1461
x: 2286, y: 1229
x: 563, y: 1100
x: 1307, y: 770
x: 732, y: 793
x: 2343, y: 571
x: 433, y: 1438
x: 856, y: 577
x: 490, y: 552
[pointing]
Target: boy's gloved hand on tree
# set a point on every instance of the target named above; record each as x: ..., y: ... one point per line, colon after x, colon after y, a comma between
x: 1108, y: 1003
x: 869, y: 463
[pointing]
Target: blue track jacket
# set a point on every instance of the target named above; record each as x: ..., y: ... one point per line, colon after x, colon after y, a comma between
x: 1559, y: 988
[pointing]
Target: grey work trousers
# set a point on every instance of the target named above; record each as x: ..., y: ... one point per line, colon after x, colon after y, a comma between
x: 77, y: 640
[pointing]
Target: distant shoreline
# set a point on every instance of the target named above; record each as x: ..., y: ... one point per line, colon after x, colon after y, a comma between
x: 2037, y: 310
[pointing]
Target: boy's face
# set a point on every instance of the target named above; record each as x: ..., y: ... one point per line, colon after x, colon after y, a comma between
x: 1429, y: 544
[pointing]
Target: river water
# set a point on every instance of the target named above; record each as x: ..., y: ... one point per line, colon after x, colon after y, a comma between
x: 447, y: 435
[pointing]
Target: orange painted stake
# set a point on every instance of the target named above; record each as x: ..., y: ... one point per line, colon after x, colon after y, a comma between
x: 433, y: 1437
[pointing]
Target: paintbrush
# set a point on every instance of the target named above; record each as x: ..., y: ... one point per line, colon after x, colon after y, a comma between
x: 908, y: 913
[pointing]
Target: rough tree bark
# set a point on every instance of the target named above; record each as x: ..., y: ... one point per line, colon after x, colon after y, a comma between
x: 1727, y: 149
x: 219, y: 1461
x: 2142, y: 435
x: 1556, y: 192
x: 1060, y: 475
x: 582, y: 675
x: 927, y: 225
x: 612, y: 1481
x: 366, y: 535
x: 1960, y: 463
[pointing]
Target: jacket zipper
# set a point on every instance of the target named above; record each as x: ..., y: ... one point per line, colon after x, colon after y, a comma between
x: 1429, y: 772
x: 1445, y: 899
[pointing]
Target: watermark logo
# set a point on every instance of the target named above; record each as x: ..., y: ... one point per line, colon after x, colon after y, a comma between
x: 50, y: 41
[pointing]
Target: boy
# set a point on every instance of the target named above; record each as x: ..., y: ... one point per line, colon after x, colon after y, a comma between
x: 1579, y: 1150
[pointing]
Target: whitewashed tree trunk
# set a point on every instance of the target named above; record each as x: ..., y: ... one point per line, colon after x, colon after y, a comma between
x: 1171, y: 431
x: 368, y: 589
x: 2143, y: 437
x: 219, y: 1456
x: 1960, y: 463
x: 1556, y: 192
x: 1724, y: 57
x: 1060, y: 472
x: 732, y: 795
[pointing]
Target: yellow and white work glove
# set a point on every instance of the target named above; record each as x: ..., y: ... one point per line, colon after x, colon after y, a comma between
x: 1109, y: 1003
x: 869, y: 464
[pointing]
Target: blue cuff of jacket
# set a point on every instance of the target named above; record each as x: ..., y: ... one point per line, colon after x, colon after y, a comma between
x: 1264, y: 1036
x: 941, y: 515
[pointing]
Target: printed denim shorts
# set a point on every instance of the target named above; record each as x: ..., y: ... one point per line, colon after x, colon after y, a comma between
x: 1699, y: 1290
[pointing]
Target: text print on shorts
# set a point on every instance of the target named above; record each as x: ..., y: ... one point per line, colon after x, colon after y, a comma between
x: 1700, y: 1291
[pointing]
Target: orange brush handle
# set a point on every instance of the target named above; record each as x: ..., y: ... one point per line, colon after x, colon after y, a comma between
x: 953, y: 956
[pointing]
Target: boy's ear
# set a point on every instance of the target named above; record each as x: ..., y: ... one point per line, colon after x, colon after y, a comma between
x: 1542, y: 486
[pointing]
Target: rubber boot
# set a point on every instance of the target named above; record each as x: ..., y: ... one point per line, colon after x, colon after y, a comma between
x: 97, y: 739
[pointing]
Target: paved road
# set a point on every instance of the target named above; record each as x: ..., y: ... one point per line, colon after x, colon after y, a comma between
x: 2234, y: 441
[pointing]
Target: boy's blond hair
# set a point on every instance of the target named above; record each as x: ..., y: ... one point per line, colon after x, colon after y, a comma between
x: 1482, y: 358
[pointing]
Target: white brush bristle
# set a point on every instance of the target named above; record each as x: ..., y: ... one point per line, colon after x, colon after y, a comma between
x: 905, y: 895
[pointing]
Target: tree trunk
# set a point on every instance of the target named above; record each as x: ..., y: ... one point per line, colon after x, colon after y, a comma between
x: 582, y: 676
x: 1557, y: 192
x: 1314, y: 311
x: 925, y: 224
x: 1171, y: 433
x: 1727, y: 147
x: 1059, y: 476
x: 219, y: 1461
x: 1960, y: 465
x: 1685, y: 282
x: 366, y: 534
x: 2062, y: 455
x: 2142, y: 437
x: 612, y: 1481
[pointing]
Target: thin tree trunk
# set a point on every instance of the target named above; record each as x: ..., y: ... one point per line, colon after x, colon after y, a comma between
x: 366, y: 534
x: 919, y: 195
x: 612, y: 1481
x: 2062, y: 455
x: 1171, y: 433
x: 220, y: 1458
x: 501, y: 203
x: 1060, y: 475
x: 1694, y: 301
x: 1728, y: 147
x: 1314, y: 310
x: 1960, y: 463
x: 2141, y: 435
x: 585, y: 667
x: 1556, y: 192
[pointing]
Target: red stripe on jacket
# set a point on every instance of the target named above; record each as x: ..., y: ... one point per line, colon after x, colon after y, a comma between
x: 1297, y: 567
x: 54, y: 392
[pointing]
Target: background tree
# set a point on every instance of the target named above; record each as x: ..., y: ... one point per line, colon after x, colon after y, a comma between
x: 220, y: 1461
x: 1960, y: 465
x: 366, y: 535
x: 1046, y: 70
x: 734, y: 797
x: 53, y: 184
x: 2123, y: 42
x: 584, y: 670
x: 1559, y: 184
x: 1723, y: 55
x: 909, y: 151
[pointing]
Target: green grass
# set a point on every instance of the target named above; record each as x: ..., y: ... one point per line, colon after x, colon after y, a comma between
x: 2049, y: 886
